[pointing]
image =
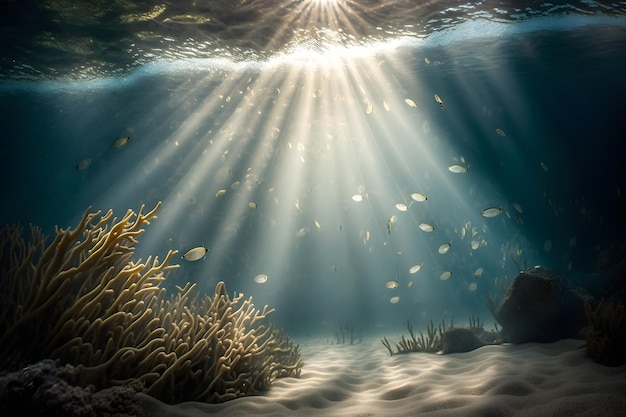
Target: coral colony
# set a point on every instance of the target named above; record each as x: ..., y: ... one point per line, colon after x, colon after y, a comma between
x: 83, y: 302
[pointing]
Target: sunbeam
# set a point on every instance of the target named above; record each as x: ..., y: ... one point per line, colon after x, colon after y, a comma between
x: 330, y: 149
x: 264, y: 166
x: 349, y: 170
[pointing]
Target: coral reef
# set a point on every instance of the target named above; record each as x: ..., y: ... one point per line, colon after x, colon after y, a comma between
x: 83, y: 301
x: 606, y: 339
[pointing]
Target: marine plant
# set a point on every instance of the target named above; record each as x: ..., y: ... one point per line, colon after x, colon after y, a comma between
x: 348, y: 330
x: 606, y: 339
x: 431, y: 342
x: 83, y: 301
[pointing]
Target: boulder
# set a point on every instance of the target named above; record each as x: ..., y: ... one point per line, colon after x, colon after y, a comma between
x: 539, y: 306
x: 459, y: 339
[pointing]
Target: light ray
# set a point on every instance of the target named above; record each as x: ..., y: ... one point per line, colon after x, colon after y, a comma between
x: 264, y: 164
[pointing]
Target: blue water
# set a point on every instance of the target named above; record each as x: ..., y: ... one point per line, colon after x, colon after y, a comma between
x: 301, y: 132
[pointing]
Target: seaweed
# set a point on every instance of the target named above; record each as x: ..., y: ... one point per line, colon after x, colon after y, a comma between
x: 430, y: 342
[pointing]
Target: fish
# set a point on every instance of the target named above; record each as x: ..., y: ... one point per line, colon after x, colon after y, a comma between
x: 317, y: 224
x: 500, y: 132
x: 220, y: 193
x: 409, y: 284
x: 475, y: 244
x: 410, y: 103
x: 261, y: 278
x: 472, y: 287
x: 394, y: 300
x: 443, y: 249
x: 303, y: 232
x: 491, y: 212
x: 195, y: 254
x: 121, y: 141
x: 426, y: 60
x: 547, y: 246
x: 478, y: 273
x: 426, y: 227
x: 445, y: 275
x: 466, y: 227
x: 457, y: 169
x: 418, y: 197
x: 391, y: 221
x: 392, y: 284
x: 84, y: 164
x: 357, y: 197
x: 252, y: 204
x: 235, y: 185
x: 415, y: 268
x: 439, y: 100
x: 518, y: 208
x: 386, y: 105
x: 544, y: 166
x: 402, y: 207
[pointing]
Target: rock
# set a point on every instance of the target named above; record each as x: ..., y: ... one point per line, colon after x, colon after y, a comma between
x: 540, y: 307
x: 42, y: 389
x: 459, y: 339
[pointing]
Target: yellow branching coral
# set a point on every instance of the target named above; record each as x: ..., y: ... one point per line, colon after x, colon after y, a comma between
x: 83, y: 301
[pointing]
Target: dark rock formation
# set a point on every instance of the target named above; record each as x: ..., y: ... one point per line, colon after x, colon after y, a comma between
x: 460, y: 339
x: 540, y: 307
x: 42, y: 389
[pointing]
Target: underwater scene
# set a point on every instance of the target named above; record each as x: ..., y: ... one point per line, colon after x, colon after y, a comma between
x: 313, y: 208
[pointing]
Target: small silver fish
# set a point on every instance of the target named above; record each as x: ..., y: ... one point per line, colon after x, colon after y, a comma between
x: 121, y: 141
x: 261, y: 278
x: 410, y: 103
x: 84, y: 164
x: 392, y: 284
x: 445, y: 275
x: 443, y: 249
x: 390, y: 223
x: 402, y: 207
x: 195, y: 254
x: 439, y: 100
x: 457, y: 169
x: 491, y: 212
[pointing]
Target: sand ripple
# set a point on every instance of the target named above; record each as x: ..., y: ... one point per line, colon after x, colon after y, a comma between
x: 364, y: 381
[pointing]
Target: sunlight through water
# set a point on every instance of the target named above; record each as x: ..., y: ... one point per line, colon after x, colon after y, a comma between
x: 369, y: 161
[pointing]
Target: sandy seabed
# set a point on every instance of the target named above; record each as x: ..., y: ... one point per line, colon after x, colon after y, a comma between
x: 362, y: 380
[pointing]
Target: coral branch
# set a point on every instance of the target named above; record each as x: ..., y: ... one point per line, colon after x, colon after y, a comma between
x: 83, y: 301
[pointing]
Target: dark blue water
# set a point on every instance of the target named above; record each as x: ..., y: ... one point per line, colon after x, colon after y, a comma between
x: 299, y: 135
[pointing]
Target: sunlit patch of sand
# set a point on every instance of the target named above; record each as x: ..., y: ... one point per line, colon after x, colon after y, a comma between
x: 364, y: 381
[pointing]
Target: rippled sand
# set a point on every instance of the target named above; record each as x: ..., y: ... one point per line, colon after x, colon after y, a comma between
x: 363, y: 380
